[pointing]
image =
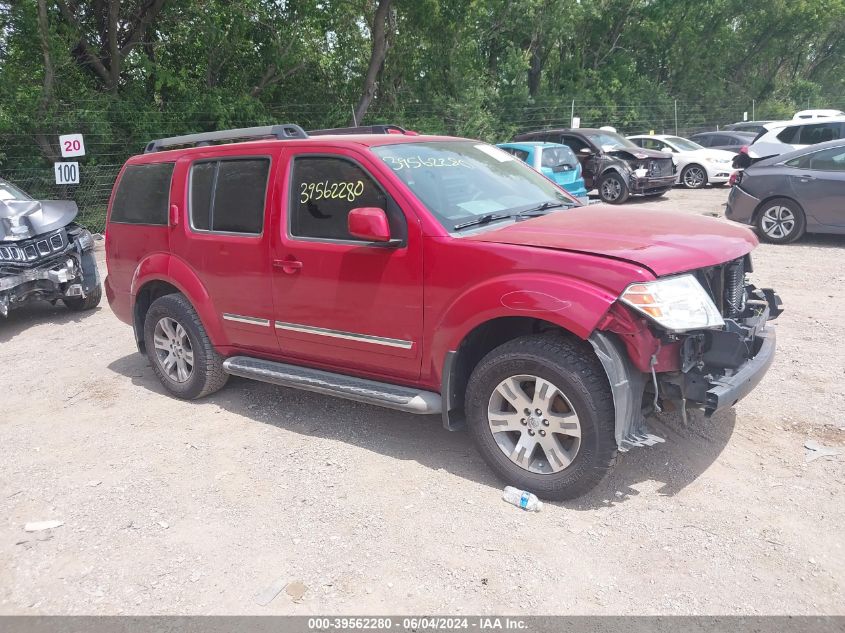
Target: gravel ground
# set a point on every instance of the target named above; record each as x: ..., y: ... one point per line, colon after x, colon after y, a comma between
x: 172, y: 507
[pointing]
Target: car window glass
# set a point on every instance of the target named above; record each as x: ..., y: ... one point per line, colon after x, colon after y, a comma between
x: 818, y: 133
x: 574, y: 143
x: 832, y: 159
x: 228, y: 195
x: 324, y: 190
x: 556, y: 157
x: 143, y: 194
x: 789, y: 134
x: 9, y: 192
x: 519, y: 153
x: 702, y: 139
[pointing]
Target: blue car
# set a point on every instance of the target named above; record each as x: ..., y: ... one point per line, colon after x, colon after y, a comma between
x: 555, y: 161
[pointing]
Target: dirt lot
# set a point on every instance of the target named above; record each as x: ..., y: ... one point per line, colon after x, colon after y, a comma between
x: 196, y: 508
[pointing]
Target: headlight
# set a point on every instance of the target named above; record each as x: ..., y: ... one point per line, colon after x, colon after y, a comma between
x: 676, y: 303
x: 721, y: 161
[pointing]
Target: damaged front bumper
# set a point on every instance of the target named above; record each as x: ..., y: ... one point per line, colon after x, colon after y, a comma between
x: 54, y: 266
x: 716, y: 369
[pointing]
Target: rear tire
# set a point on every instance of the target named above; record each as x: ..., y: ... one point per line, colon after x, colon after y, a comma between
x: 180, y: 351
x: 88, y: 302
x: 613, y: 189
x: 567, y: 448
x: 780, y: 221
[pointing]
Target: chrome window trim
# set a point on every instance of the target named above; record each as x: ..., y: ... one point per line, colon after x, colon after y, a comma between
x: 349, y: 336
x: 239, y: 318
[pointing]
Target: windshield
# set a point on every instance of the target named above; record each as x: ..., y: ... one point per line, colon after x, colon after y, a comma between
x: 462, y: 181
x: 608, y: 140
x: 9, y: 192
x: 683, y: 144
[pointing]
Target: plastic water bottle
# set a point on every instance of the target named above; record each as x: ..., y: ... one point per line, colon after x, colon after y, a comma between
x: 522, y: 499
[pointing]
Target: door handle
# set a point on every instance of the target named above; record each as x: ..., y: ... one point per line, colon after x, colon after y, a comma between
x: 289, y: 266
x: 806, y: 177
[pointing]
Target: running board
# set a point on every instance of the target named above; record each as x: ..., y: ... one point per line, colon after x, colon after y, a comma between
x: 341, y: 386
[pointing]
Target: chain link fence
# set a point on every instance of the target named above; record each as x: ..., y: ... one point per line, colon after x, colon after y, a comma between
x: 109, y: 145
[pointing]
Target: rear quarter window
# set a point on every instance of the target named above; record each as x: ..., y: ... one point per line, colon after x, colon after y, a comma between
x: 143, y: 194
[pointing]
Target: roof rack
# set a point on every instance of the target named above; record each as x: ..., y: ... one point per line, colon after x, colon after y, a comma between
x: 364, y: 129
x: 283, y: 131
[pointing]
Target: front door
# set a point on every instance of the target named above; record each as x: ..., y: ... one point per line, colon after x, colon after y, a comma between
x: 340, y: 301
x: 589, y: 160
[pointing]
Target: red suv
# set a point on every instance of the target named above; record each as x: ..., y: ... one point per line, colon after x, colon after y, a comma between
x: 433, y: 275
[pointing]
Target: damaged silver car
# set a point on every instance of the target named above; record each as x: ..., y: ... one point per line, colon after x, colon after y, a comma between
x: 44, y: 254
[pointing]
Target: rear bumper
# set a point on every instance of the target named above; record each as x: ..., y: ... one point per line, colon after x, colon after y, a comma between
x: 741, y: 206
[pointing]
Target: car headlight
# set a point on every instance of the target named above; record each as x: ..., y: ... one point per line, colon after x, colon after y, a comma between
x: 676, y: 303
x: 721, y: 161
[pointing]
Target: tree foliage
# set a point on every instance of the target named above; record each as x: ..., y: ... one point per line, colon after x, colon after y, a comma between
x: 126, y: 71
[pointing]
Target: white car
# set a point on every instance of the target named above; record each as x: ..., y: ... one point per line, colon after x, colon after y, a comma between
x: 694, y: 164
x: 784, y: 136
x: 817, y: 114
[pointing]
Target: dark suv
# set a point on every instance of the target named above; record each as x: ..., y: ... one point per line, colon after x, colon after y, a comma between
x: 613, y: 164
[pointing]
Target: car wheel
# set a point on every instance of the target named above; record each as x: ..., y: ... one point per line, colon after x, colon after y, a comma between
x: 780, y: 221
x: 88, y: 302
x: 179, y: 349
x: 613, y: 189
x: 694, y: 176
x: 540, y: 411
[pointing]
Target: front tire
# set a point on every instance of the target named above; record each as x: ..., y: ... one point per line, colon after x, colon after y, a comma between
x: 613, y: 189
x: 180, y: 351
x: 694, y: 176
x: 540, y: 411
x: 88, y: 302
x: 780, y: 221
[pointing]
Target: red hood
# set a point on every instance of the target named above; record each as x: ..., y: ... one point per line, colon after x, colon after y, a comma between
x: 662, y: 241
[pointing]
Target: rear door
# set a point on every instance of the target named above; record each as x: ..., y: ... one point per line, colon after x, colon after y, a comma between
x: 819, y: 186
x: 227, y: 194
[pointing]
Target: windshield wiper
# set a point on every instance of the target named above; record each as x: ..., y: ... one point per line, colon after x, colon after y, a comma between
x: 545, y: 206
x: 484, y: 219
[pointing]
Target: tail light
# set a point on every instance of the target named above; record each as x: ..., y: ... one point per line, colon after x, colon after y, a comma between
x: 735, y: 179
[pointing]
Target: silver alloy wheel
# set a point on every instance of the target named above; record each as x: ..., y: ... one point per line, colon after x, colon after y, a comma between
x: 534, y: 424
x: 173, y: 349
x: 694, y: 177
x: 611, y: 189
x: 778, y: 222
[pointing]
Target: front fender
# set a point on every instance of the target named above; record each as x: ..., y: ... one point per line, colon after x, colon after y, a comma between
x: 568, y: 303
x: 167, y: 268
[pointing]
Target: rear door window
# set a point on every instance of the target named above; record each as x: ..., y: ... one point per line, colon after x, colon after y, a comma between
x: 228, y: 196
x: 789, y: 134
x: 818, y: 133
x: 143, y: 194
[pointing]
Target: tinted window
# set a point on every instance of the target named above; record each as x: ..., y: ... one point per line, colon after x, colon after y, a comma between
x: 702, y: 139
x: 202, y: 180
x: 818, y: 133
x: 557, y: 157
x: 143, y: 194
x: 228, y: 195
x: 324, y: 190
x: 519, y: 153
x: 789, y: 134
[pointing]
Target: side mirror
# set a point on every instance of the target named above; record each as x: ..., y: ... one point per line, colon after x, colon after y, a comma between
x: 667, y: 150
x: 368, y: 223
x: 586, y: 151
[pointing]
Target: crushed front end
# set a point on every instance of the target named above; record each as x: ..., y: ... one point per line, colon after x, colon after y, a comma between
x: 654, y: 361
x: 56, y: 265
